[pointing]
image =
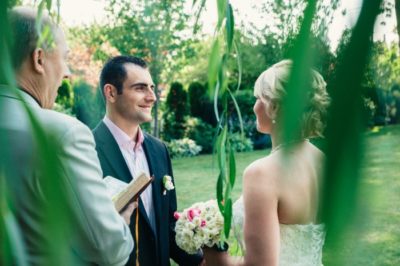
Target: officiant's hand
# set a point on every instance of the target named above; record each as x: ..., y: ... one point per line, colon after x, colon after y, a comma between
x: 127, y: 213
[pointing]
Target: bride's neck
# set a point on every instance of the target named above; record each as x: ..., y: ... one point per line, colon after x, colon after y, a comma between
x: 278, y: 141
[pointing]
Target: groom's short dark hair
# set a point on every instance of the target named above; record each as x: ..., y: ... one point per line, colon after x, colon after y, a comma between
x: 114, y: 71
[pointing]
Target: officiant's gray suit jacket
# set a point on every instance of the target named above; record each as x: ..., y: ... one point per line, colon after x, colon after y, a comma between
x: 98, y: 235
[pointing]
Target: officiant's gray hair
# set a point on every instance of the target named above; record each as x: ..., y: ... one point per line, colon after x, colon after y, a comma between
x: 25, y: 34
x: 270, y: 88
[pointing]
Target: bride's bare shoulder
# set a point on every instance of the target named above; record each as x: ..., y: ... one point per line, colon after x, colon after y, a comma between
x: 264, y: 169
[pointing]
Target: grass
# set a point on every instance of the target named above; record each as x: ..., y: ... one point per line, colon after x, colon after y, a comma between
x: 374, y: 236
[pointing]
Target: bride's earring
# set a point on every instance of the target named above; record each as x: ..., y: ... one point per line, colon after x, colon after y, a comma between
x: 273, y: 121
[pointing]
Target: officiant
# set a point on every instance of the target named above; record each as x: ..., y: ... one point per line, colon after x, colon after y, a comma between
x: 75, y: 222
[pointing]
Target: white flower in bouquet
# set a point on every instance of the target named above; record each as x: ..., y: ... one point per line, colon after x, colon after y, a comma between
x: 198, y: 226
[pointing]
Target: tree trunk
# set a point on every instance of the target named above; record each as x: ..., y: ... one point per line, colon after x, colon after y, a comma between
x: 397, y: 8
x: 156, y: 79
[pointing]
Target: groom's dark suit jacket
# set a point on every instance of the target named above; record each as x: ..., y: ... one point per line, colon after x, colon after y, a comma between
x: 155, y: 247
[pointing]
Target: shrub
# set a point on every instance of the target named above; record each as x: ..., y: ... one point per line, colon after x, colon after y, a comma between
x: 241, y: 144
x: 62, y: 109
x: 176, y: 110
x: 201, y: 106
x: 88, y: 106
x: 201, y: 132
x: 172, y: 129
x: 185, y: 147
x: 176, y: 101
x: 65, y: 95
x: 195, y: 92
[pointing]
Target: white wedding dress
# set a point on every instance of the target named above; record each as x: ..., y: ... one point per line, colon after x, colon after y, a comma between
x: 301, y: 244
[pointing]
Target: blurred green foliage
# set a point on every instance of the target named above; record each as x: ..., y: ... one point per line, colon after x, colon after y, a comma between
x: 89, y: 104
x: 65, y: 95
x: 176, y: 108
x: 201, y: 132
x: 179, y: 148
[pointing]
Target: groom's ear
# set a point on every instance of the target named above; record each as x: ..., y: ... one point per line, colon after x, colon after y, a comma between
x: 110, y: 92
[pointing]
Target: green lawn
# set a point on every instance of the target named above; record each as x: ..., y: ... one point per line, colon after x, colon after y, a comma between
x: 374, y: 238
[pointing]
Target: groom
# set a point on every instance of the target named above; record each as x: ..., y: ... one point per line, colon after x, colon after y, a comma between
x: 125, y: 150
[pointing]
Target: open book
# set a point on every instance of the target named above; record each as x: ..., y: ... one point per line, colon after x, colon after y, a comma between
x: 123, y: 193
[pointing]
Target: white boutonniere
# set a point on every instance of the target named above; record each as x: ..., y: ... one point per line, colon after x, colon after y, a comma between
x: 168, y: 185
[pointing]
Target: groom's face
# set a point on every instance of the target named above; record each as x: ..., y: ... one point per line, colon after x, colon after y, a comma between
x: 137, y: 98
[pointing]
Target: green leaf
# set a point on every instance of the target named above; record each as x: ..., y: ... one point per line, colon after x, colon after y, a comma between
x: 297, y: 88
x: 221, y: 5
x: 6, y: 71
x: 232, y: 166
x: 213, y: 66
x: 216, y: 112
x: 38, y: 23
x: 239, y: 113
x: 220, y: 191
x: 48, y: 5
x: 228, y: 190
x: 227, y: 217
x: 221, y: 152
x: 230, y: 27
x: 221, y: 74
x: 216, y: 135
x: 344, y: 148
x: 14, y: 236
x: 58, y: 11
x: 239, y: 63
x: 46, y: 37
x: 198, y: 14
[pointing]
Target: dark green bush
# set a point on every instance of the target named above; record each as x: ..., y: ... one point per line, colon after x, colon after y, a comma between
x: 201, y: 105
x: 176, y: 108
x: 241, y: 144
x: 88, y: 106
x: 65, y: 95
x: 201, y: 132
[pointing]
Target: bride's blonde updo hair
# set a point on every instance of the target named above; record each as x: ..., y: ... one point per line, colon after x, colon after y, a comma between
x: 270, y: 88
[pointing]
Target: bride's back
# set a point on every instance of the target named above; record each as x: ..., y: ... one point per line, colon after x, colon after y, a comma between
x: 298, y: 174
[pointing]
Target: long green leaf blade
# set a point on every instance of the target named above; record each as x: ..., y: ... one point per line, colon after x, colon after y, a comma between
x: 230, y: 27
x: 221, y: 5
x: 220, y: 191
x: 239, y: 63
x: 232, y: 166
x: 239, y: 113
x: 213, y: 66
x: 227, y: 217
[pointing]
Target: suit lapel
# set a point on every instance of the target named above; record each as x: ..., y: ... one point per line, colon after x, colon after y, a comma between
x: 151, y: 155
x: 110, y: 149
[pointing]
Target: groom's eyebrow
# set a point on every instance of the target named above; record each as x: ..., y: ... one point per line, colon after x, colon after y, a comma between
x: 142, y: 84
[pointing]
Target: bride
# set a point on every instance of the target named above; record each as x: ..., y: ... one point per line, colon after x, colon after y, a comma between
x: 278, y: 209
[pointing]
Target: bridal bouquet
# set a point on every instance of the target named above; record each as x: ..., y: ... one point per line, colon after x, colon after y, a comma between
x: 198, y: 226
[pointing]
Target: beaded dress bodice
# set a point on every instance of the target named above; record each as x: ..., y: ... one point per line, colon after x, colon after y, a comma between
x: 300, y: 244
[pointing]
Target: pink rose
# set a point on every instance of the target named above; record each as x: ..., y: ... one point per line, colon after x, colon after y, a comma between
x: 203, y: 223
x: 193, y: 213
x: 177, y: 215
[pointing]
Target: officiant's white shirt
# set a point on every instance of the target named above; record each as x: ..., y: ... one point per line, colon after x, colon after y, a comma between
x: 136, y: 161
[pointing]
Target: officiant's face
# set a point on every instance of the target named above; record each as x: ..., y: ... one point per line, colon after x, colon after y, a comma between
x: 137, y: 98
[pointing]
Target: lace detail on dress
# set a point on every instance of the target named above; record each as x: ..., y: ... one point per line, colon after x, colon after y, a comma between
x: 301, y: 245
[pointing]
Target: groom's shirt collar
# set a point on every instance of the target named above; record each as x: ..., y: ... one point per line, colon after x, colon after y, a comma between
x: 122, y: 138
